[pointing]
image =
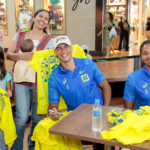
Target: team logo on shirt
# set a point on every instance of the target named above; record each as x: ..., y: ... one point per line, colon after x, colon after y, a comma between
x: 64, y: 82
x: 85, y: 77
x: 145, y: 85
x: 146, y: 91
x: 80, y: 72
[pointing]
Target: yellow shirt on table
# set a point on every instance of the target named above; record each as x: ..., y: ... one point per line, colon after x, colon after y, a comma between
x: 44, y: 62
x: 46, y: 141
x: 7, y: 124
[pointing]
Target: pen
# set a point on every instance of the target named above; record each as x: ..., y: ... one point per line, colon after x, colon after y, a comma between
x: 52, y: 111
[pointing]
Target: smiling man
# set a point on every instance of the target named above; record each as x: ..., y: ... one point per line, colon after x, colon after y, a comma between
x: 77, y: 80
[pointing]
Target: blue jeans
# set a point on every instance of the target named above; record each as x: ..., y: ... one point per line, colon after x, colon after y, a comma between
x: 23, y: 100
x: 2, y: 142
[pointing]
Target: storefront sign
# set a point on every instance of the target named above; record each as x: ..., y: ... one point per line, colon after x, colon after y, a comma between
x: 75, y: 5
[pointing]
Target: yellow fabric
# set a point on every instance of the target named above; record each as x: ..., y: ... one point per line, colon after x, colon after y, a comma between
x: 6, y: 119
x: 44, y: 62
x: 133, y: 130
x: 46, y: 141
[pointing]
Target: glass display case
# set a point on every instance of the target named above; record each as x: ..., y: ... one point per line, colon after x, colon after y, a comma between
x: 57, y: 13
x: 24, y: 11
x: 3, y: 17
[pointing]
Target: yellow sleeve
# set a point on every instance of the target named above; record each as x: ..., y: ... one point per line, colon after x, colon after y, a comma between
x: 77, y: 51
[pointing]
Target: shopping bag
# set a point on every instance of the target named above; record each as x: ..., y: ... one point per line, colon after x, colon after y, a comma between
x: 112, y: 33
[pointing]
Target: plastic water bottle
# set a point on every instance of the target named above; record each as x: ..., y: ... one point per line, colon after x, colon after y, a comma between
x: 97, y: 116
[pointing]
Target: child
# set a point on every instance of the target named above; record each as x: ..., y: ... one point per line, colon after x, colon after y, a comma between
x: 22, y: 71
x: 5, y: 83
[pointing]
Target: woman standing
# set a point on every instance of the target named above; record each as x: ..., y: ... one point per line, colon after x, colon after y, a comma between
x: 24, y: 91
x: 147, y: 29
x: 110, y: 22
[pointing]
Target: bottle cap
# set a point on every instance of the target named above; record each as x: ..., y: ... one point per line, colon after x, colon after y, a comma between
x: 97, y: 101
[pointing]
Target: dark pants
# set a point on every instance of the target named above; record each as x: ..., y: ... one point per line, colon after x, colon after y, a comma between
x: 121, y: 40
x: 126, y: 36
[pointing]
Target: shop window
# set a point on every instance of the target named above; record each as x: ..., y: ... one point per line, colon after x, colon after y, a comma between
x: 3, y: 18
x: 57, y: 22
x: 117, y: 7
x: 24, y: 12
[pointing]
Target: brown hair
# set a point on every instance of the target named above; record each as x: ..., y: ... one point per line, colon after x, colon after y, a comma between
x: 2, y: 64
x: 26, y: 45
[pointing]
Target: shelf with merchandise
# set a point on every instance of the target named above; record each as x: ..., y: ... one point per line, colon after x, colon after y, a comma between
x: 24, y: 11
x: 3, y: 17
x: 57, y: 22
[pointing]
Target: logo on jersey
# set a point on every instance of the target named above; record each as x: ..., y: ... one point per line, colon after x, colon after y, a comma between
x: 80, y: 72
x: 64, y: 82
x: 85, y: 77
x: 146, y: 91
x: 145, y: 85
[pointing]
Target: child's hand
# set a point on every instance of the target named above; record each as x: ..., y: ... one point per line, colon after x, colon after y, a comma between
x: 9, y: 93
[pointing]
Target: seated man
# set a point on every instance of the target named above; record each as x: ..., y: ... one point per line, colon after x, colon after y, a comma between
x: 77, y: 80
x: 137, y: 88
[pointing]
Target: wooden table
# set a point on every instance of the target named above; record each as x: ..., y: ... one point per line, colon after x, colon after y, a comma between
x: 78, y: 124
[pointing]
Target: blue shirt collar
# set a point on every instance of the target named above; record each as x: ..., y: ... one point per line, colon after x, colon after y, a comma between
x: 147, y: 73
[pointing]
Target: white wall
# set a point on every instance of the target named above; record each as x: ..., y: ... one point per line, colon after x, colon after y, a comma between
x: 11, y: 22
x: 80, y: 24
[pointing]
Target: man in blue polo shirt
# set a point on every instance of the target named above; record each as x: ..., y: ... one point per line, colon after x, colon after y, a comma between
x: 77, y: 80
x: 137, y: 86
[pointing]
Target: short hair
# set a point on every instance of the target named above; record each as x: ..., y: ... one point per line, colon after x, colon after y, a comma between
x: 26, y: 45
x: 143, y: 44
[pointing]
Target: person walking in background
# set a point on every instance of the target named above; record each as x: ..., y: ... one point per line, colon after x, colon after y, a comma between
x: 5, y: 84
x: 108, y: 25
x: 122, y: 32
x: 137, y: 87
x: 147, y: 29
x: 126, y: 34
x: 25, y: 92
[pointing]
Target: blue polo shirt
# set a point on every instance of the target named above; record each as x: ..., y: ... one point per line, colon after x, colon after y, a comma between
x: 78, y: 87
x: 137, y: 87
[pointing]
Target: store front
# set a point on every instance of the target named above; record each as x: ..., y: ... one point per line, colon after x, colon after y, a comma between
x: 79, y: 19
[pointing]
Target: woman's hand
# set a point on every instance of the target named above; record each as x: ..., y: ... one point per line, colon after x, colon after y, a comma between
x: 25, y: 56
x: 9, y: 93
x: 54, y: 115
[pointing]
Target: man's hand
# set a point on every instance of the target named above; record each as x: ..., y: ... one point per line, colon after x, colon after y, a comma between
x: 54, y: 115
x: 26, y: 56
x: 9, y: 93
